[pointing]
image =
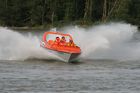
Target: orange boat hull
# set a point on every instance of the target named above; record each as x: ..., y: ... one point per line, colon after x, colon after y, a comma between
x: 67, y: 53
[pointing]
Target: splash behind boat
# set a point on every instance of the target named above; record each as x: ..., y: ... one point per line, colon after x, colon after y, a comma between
x: 67, y: 50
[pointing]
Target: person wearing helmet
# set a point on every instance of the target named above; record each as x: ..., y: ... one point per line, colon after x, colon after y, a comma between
x: 57, y: 41
x: 71, y: 43
x: 63, y: 41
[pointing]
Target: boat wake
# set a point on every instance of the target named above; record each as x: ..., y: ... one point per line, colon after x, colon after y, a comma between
x: 113, y: 41
x: 107, y: 41
x: 15, y: 46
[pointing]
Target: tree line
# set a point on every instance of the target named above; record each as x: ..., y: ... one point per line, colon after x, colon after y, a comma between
x: 53, y: 12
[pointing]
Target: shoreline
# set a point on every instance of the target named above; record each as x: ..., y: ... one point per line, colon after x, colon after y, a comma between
x: 41, y: 27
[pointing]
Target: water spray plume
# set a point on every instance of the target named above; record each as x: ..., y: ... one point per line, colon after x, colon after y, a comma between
x: 107, y: 41
x: 15, y: 46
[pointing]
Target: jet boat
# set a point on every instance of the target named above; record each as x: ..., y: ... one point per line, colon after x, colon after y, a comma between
x: 68, y: 51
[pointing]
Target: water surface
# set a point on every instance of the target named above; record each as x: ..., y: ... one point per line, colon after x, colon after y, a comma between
x: 87, y: 76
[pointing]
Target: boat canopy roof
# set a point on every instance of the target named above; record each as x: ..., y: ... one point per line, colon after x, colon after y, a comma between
x: 55, y: 33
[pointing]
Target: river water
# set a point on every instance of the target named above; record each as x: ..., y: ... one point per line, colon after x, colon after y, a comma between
x: 109, y: 62
x: 88, y: 76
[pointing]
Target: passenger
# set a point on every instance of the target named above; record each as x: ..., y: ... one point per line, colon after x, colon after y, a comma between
x: 63, y: 41
x: 57, y: 41
x: 71, y: 43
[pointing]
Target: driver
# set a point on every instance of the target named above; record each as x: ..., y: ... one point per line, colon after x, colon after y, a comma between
x: 57, y: 41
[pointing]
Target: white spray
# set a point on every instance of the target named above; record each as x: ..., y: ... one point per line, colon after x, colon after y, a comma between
x: 15, y: 46
x: 107, y: 41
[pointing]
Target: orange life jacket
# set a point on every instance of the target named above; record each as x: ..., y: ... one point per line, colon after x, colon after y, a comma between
x: 71, y: 44
x: 57, y: 42
x: 62, y: 42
